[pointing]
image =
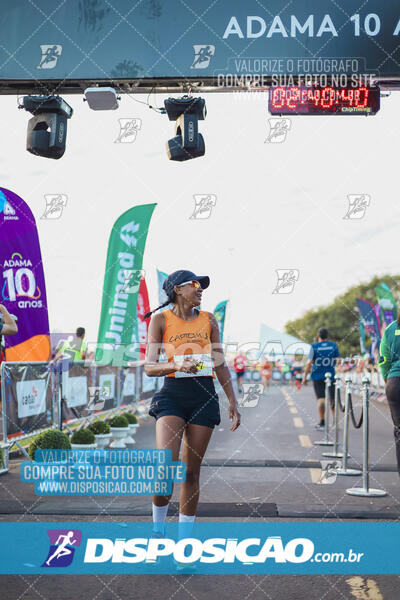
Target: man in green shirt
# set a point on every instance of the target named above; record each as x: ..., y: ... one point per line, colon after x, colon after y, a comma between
x: 76, y: 348
x: 389, y: 362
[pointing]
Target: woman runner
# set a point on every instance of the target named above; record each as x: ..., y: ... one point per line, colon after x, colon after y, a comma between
x: 187, y: 405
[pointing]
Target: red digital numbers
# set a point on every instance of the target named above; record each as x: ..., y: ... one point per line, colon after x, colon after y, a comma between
x: 320, y: 100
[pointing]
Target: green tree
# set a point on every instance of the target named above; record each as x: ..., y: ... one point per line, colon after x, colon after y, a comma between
x: 341, y: 316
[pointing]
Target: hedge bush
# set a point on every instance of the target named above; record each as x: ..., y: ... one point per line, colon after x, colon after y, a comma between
x: 119, y: 421
x: 98, y: 427
x: 83, y: 436
x: 51, y: 439
x: 132, y: 420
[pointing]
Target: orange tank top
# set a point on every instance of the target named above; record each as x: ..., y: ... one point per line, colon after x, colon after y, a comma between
x: 182, y: 338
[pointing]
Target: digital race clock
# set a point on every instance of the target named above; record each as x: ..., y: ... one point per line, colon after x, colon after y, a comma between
x: 328, y: 100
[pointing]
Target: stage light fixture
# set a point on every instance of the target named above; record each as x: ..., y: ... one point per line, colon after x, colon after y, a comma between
x: 102, y: 98
x: 188, y: 142
x: 47, y: 130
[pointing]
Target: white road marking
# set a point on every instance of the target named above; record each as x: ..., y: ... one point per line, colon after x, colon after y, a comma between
x: 364, y: 589
x: 305, y: 441
x: 315, y: 475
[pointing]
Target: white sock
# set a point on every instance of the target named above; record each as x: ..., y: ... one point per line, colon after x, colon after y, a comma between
x: 186, y: 523
x: 159, y: 516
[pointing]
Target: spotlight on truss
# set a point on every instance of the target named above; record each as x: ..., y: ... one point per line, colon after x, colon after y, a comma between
x: 188, y: 142
x: 47, y: 130
x: 101, y: 98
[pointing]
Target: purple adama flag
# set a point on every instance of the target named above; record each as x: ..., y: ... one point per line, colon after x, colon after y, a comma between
x: 370, y: 320
x: 22, y: 284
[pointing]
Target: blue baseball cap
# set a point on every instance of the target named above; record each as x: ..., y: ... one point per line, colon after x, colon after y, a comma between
x: 178, y: 277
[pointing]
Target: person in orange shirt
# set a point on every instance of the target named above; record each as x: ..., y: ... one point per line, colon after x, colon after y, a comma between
x: 266, y: 373
x: 187, y: 405
x: 240, y: 366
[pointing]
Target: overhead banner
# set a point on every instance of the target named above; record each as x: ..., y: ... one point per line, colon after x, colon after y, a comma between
x: 23, y: 290
x: 220, y: 312
x: 198, y: 38
x: 143, y: 307
x: 370, y: 320
x: 387, y: 303
x: 118, y: 337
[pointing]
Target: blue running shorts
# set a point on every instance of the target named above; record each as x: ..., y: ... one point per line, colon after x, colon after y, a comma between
x: 194, y: 399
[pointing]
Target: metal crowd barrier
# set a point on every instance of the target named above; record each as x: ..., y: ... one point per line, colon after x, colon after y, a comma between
x: 344, y: 470
x: 28, y: 403
x: 38, y: 396
x: 376, y: 380
x: 338, y: 406
x: 365, y: 490
x: 363, y: 421
x: 326, y: 441
x: 254, y: 375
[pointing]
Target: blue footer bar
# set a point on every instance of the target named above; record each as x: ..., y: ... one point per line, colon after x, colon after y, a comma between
x: 204, y: 548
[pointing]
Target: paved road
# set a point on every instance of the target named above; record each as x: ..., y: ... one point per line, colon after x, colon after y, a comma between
x: 268, y: 469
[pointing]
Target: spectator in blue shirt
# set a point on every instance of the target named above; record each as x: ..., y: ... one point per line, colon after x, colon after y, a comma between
x: 322, y: 359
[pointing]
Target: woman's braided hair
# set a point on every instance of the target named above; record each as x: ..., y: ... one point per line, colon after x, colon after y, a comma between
x: 171, y: 298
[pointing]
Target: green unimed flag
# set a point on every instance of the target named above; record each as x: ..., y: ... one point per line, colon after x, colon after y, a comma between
x: 220, y: 312
x: 387, y: 302
x: 118, y: 341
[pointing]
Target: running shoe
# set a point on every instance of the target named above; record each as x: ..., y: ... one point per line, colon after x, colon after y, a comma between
x: 320, y: 426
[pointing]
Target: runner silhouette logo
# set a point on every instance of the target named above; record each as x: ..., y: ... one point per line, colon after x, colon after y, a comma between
x: 251, y: 394
x: 50, y: 55
x: 202, y: 56
x: 62, y: 547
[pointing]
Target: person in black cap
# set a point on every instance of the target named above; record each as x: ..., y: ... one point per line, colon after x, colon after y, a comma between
x: 187, y: 404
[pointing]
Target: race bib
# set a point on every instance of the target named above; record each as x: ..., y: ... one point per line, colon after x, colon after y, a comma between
x: 205, y: 367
